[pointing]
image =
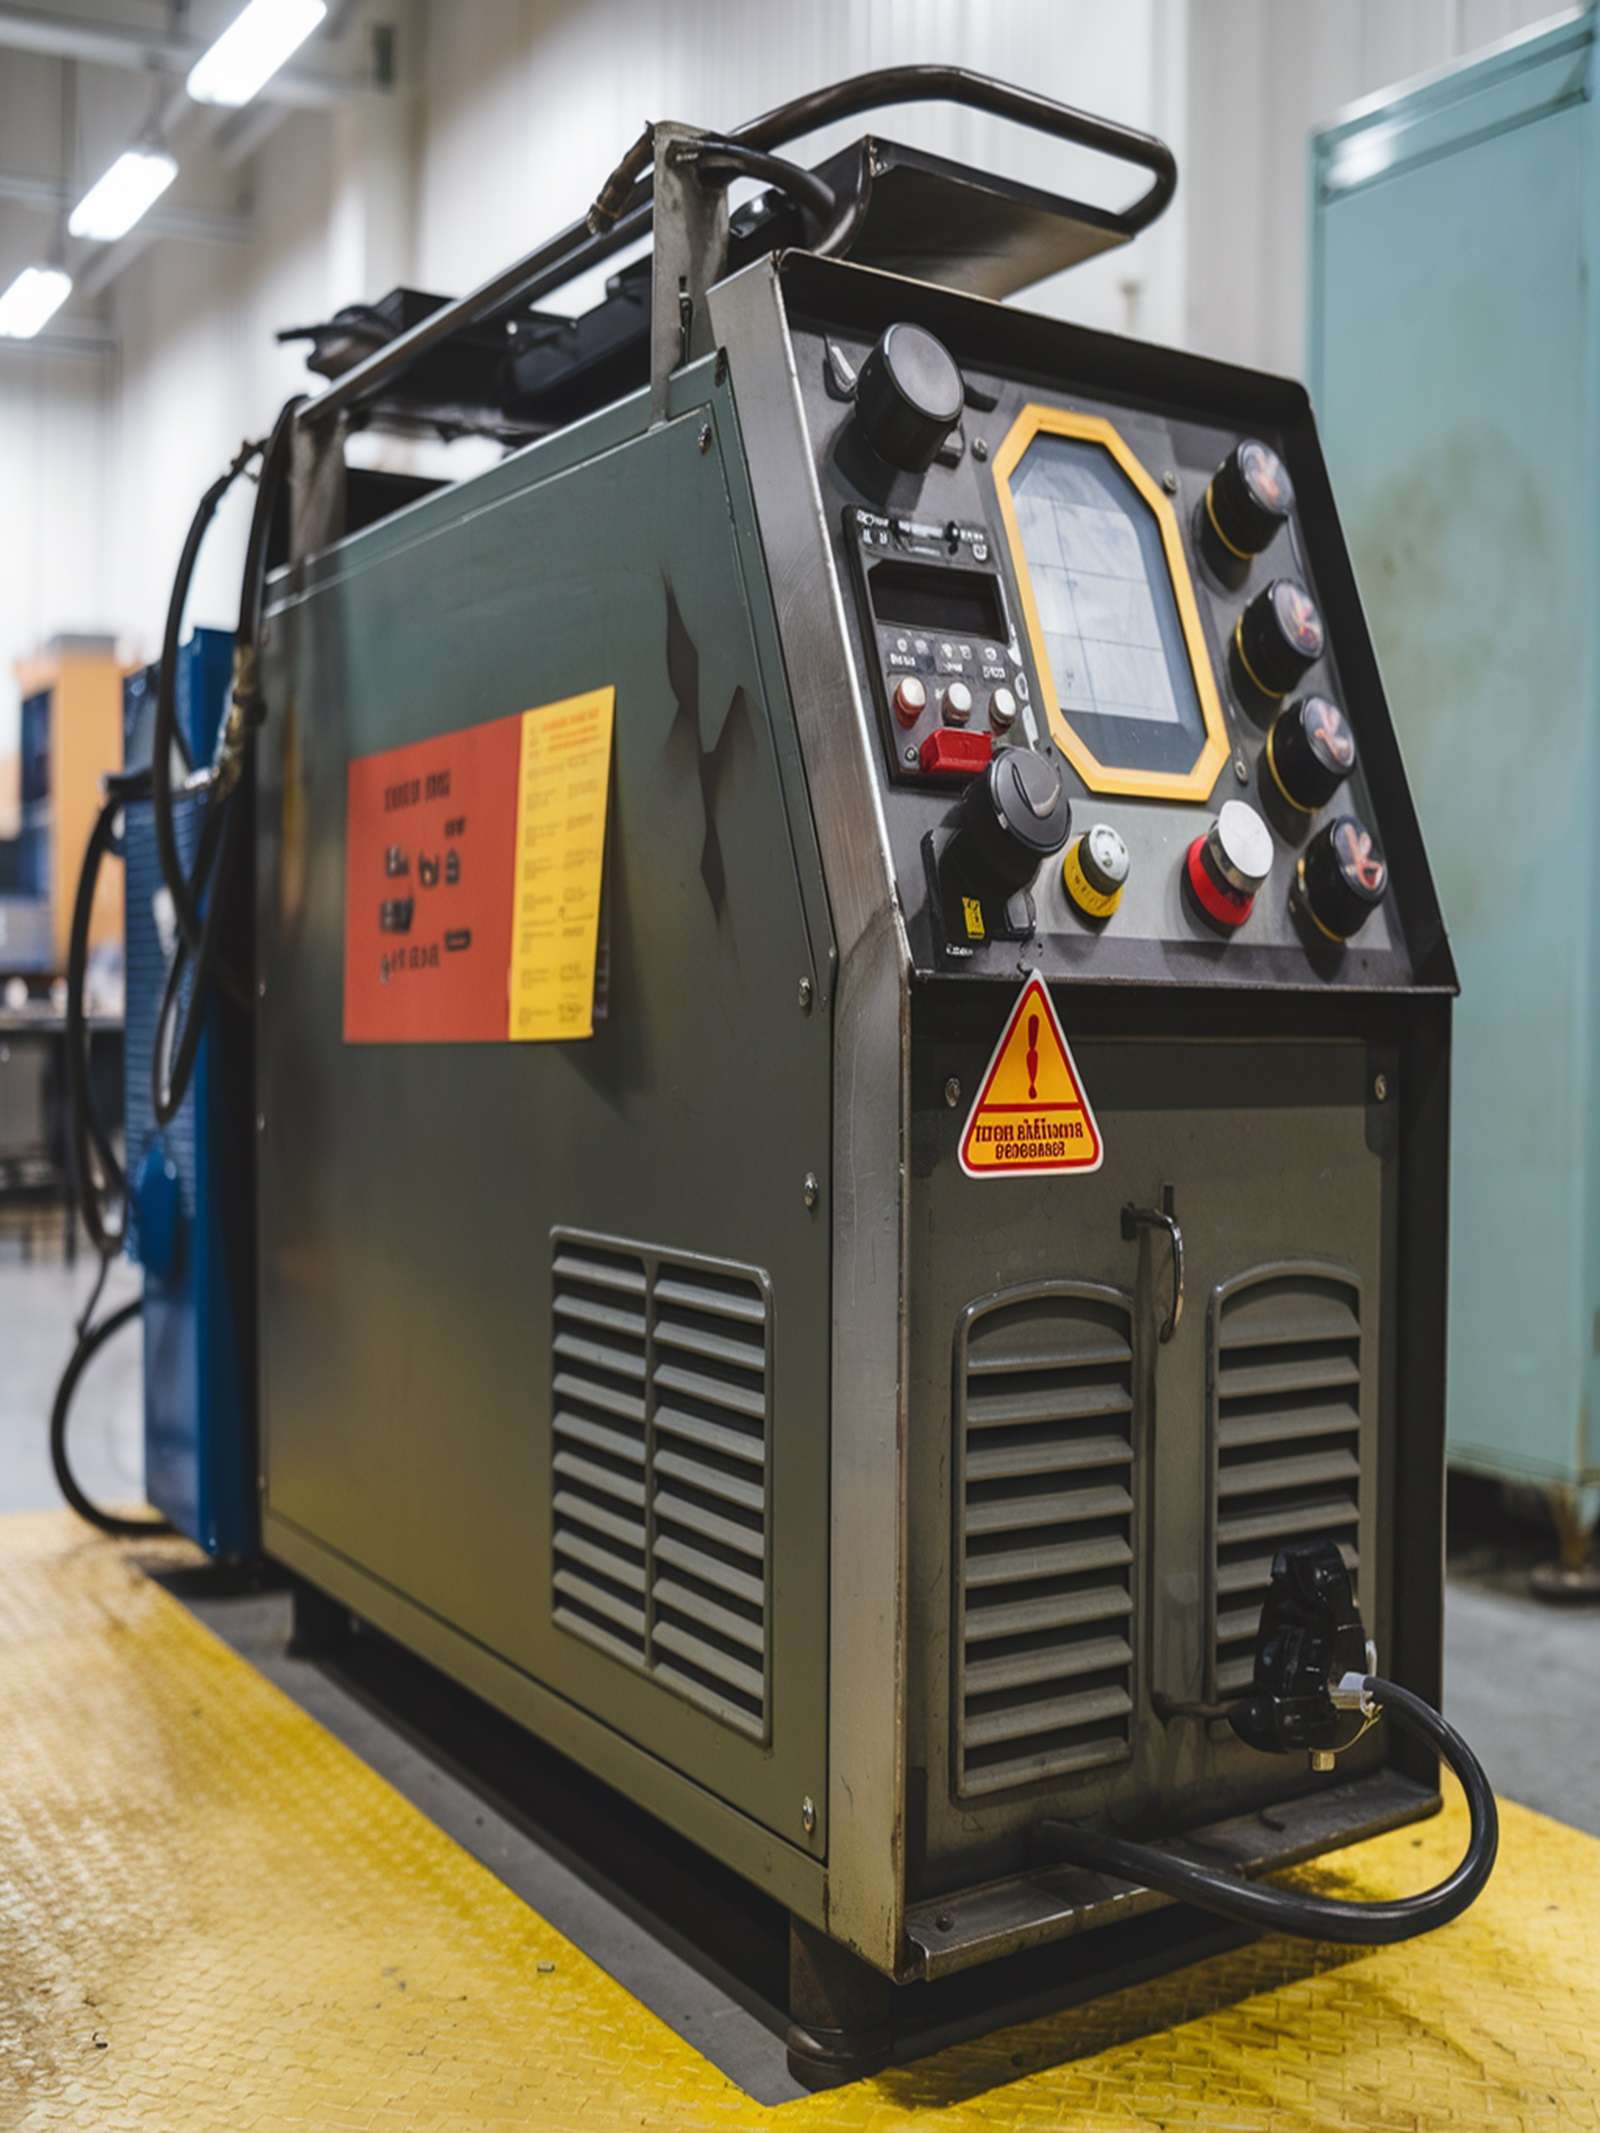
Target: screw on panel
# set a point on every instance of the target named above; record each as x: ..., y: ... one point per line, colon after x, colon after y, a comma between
x: 811, y: 1191
x: 704, y: 438
x: 1380, y: 1088
x: 807, y: 994
x: 979, y: 449
x: 911, y: 755
x: 808, y: 1814
x: 1241, y: 770
x: 1169, y: 482
x: 952, y: 1092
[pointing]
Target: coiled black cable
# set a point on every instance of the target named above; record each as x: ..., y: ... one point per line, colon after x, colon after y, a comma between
x: 815, y: 198
x: 91, y: 1339
x: 1287, y: 1910
x: 167, y: 735
x: 89, y: 1144
x: 172, y: 1065
x: 187, y: 889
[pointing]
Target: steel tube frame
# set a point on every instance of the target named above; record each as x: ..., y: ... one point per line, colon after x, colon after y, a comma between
x: 572, y: 250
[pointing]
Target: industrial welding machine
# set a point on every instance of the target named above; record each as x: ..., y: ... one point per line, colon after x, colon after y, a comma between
x: 852, y: 1068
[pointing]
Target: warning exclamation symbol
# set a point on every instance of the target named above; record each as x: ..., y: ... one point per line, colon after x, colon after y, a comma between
x: 1033, y: 1058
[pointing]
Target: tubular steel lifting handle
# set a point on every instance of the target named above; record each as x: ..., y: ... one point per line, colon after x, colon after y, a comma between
x: 623, y: 209
x: 1136, y: 1218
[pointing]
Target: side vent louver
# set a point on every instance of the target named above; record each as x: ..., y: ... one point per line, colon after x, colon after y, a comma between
x: 1044, y: 1541
x: 1285, y: 1416
x: 660, y: 1454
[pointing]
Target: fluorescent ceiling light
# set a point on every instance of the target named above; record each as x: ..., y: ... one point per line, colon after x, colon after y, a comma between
x: 33, y: 298
x: 252, y: 49
x: 114, y: 203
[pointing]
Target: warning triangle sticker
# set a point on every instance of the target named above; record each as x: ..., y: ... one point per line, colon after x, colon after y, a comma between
x: 1032, y: 1113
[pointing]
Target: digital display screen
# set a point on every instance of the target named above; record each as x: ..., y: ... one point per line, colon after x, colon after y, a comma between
x: 923, y: 596
x: 1107, y: 613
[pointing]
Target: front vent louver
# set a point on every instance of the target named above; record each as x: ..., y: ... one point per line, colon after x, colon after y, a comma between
x: 1045, y: 1491
x: 661, y: 1443
x: 1285, y: 1425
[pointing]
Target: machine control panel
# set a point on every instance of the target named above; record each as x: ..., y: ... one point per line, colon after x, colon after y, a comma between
x: 1139, y: 602
x: 948, y: 660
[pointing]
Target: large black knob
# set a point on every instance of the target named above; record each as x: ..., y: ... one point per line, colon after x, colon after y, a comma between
x: 1341, y: 878
x: 1249, y: 498
x: 908, y: 396
x: 1310, y: 752
x: 1279, y: 636
x: 1013, y: 816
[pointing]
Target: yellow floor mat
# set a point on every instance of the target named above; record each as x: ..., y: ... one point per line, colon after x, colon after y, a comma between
x: 213, y: 1916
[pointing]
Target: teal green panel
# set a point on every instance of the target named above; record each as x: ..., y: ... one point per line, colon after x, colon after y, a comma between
x: 1451, y: 330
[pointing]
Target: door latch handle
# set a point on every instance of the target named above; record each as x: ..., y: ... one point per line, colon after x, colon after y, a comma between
x: 1136, y: 1218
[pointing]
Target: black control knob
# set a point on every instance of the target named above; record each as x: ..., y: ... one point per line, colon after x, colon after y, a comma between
x: 908, y: 396
x: 1310, y: 752
x: 1249, y: 498
x: 1014, y: 816
x: 1279, y: 636
x: 1341, y: 878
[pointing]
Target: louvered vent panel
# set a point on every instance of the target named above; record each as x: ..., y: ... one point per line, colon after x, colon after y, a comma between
x: 1045, y: 1537
x: 1286, y: 1442
x: 661, y: 1444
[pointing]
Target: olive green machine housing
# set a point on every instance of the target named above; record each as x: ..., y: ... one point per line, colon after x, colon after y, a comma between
x: 686, y: 1389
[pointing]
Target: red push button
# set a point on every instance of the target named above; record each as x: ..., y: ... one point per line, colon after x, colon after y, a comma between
x: 1219, y: 900
x: 950, y: 753
x: 910, y: 699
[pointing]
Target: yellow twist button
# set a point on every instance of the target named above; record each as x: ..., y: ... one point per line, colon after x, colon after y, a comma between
x: 1095, y: 871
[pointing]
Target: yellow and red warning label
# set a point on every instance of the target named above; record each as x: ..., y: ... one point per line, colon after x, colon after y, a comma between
x: 1032, y: 1113
x: 473, y: 877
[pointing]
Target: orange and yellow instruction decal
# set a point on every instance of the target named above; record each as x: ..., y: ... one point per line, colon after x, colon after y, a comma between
x: 1032, y: 1114
x: 474, y: 864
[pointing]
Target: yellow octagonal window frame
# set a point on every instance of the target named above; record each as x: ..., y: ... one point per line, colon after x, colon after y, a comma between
x: 1196, y: 783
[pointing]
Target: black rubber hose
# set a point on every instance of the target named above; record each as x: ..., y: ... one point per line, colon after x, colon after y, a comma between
x: 185, y: 894
x: 91, y: 1339
x: 169, y: 1084
x: 88, y: 1141
x: 252, y: 591
x: 187, y: 889
x: 1287, y: 1910
x: 813, y: 196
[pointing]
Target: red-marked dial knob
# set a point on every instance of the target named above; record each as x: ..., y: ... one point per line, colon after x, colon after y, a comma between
x: 1341, y: 878
x: 1279, y: 636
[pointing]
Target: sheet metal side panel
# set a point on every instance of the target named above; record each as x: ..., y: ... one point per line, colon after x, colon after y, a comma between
x: 454, y: 620
x: 864, y: 1199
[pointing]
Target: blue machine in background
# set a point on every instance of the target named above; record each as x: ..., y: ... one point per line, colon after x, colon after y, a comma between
x: 1454, y: 352
x: 190, y: 1220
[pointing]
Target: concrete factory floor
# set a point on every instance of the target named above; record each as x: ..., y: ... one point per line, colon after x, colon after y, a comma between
x: 270, y: 1935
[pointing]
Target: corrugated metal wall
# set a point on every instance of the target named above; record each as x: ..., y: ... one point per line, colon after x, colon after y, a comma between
x: 545, y: 95
x: 1262, y: 75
